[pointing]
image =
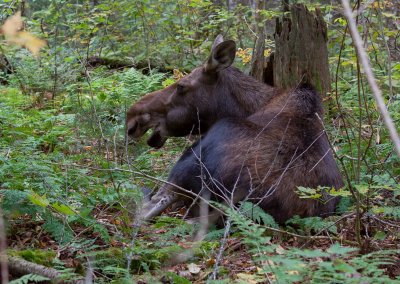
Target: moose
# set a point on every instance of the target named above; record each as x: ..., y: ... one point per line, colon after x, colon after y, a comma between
x: 257, y: 143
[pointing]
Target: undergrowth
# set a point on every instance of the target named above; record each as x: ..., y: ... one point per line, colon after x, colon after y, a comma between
x: 66, y: 171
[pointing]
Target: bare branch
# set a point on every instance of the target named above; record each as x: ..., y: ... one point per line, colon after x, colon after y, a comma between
x: 213, y: 275
x: 370, y: 76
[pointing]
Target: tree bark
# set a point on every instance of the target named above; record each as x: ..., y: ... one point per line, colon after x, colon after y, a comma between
x: 257, y: 59
x: 5, y: 68
x: 20, y: 267
x: 301, y: 54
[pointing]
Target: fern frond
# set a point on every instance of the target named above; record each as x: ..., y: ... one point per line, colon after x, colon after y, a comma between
x: 29, y: 278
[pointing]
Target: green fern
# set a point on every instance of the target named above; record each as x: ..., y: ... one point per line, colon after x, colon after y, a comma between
x: 312, y: 224
x: 214, y: 235
x: 337, y: 264
x: 391, y: 211
x: 257, y: 214
x: 176, y: 227
x: 57, y: 229
x: 255, y: 234
x: 135, y: 83
x: 29, y: 278
x: 16, y: 201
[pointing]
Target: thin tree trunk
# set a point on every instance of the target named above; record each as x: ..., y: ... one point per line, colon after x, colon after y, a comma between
x: 3, y: 253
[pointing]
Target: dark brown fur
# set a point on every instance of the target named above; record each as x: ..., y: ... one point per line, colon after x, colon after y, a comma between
x: 193, y: 104
x: 260, y: 143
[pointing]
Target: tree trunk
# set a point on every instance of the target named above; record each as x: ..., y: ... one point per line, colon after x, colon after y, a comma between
x: 301, y: 55
x: 22, y: 8
x: 257, y: 58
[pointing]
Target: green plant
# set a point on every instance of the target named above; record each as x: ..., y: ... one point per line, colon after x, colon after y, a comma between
x: 292, y: 265
x: 29, y: 278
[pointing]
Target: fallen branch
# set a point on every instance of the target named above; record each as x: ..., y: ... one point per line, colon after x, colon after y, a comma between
x: 372, y: 216
x: 118, y: 64
x: 20, y: 267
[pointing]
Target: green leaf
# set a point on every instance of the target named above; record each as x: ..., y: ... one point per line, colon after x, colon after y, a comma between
x: 64, y: 209
x: 380, y: 236
x: 36, y: 199
x: 29, y: 278
x: 362, y: 188
x: 340, y: 250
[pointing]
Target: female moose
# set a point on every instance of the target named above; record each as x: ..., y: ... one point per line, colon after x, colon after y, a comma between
x: 259, y: 143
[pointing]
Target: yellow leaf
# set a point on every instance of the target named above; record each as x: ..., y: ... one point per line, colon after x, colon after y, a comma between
x: 30, y: 42
x: 12, y: 25
x: 178, y: 74
x: 267, y: 52
x: 12, y: 31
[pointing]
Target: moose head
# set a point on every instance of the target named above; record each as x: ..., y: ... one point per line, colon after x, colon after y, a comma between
x: 194, y: 103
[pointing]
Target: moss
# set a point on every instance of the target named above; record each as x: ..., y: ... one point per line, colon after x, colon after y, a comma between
x: 111, y: 256
x: 205, y: 249
x: 171, y: 277
x: 38, y: 256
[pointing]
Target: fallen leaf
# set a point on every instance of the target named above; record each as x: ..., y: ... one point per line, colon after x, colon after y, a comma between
x: 280, y: 250
x: 185, y: 274
x: 248, y: 278
x: 194, y: 268
x: 185, y: 245
x: 293, y: 272
x: 210, y: 262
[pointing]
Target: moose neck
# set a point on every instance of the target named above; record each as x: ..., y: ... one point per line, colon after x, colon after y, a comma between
x: 247, y: 94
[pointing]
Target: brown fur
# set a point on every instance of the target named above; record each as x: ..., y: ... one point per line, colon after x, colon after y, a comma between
x: 197, y: 101
x: 260, y: 143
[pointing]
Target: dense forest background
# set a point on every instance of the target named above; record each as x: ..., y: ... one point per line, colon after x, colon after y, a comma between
x: 70, y: 183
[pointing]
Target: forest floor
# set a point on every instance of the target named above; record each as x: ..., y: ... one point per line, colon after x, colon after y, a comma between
x: 69, y: 201
x: 236, y: 264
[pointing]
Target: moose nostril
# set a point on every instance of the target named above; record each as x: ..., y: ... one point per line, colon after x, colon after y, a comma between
x: 132, y: 129
x: 156, y: 140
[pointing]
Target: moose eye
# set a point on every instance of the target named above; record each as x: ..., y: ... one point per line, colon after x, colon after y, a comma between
x: 180, y: 89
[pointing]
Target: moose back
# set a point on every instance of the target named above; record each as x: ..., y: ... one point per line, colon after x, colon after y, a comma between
x: 259, y: 143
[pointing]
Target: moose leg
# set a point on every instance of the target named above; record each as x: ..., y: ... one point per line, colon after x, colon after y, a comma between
x: 164, y: 198
x: 184, y: 183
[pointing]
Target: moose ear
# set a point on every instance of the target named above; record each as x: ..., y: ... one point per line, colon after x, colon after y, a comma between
x: 219, y: 39
x: 222, y: 55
